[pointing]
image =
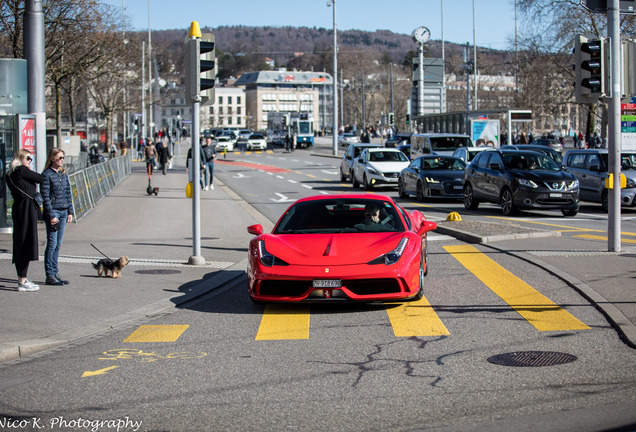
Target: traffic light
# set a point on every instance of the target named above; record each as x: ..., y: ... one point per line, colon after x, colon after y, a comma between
x: 591, y: 68
x: 408, y: 119
x: 391, y: 119
x: 200, y: 64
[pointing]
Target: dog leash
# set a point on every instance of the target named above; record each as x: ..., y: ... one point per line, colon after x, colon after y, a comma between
x: 100, y: 251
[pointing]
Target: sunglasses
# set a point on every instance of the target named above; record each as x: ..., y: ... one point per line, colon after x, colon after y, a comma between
x: 60, y: 158
x: 29, y: 158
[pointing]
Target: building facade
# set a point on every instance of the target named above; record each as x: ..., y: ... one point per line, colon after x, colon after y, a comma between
x: 285, y: 91
x: 227, y: 109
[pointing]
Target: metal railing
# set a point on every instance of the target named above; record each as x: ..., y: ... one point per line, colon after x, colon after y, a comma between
x: 90, y: 185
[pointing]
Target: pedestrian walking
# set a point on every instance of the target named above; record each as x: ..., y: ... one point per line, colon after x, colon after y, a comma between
x: 209, y: 153
x: 24, y: 213
x: 164, y: 157
x: 58, y: 211
x: 189, y: 162
x: 150, y: 152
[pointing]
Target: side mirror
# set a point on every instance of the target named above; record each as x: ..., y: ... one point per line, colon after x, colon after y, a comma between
x: 426, y: 227
x: 255, y: 229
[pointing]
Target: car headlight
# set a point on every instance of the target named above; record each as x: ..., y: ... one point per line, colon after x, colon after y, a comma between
x: 393, y: 256
x: 630, y: 184
x: 431, y: 180
x: 573, y: 185
x: 266, y: 258
x: 372, y: 170
x: 527, y: 183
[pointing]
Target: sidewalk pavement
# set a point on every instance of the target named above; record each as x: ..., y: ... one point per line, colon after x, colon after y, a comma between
x: 155, y: 232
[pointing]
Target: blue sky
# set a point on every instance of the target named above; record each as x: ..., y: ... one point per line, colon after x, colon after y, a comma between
x: 494, y: 19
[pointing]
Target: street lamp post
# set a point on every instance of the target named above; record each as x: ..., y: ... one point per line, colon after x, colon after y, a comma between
x: 335, y: 81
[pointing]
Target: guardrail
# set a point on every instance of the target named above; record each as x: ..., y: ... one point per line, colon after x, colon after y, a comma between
x: 90, y: 185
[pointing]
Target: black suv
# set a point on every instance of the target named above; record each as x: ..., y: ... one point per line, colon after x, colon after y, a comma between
x: 519, y: 179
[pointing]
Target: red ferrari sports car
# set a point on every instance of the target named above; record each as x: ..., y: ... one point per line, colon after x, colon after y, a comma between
x: 356, y: 247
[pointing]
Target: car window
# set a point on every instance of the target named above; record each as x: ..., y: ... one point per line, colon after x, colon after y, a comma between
x: 443, y: 163
x: 628, y: 161
x: 339, y: 216
x: 449, y: 143
x: 593, y: 160
x: 386, y: 156
x: 495, y: 158
x: 416, y: 164
x: 576, y: 161
x: 482, y: 159
x: 530, y: 162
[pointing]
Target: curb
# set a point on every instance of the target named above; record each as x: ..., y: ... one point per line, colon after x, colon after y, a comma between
x: 20, y: 349
x: 625, y: 328
x: 476, y: 238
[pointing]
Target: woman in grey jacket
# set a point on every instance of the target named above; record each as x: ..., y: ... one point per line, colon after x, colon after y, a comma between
x: 58, y: 211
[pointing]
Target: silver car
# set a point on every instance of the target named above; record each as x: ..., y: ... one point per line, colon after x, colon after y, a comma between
x: 590, y: 167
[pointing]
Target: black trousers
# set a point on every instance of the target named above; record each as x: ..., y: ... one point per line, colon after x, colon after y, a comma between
x: 22, y: 268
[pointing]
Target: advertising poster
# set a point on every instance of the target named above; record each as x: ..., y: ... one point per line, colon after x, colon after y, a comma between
x: 487, y: 130
x: 27, y: 136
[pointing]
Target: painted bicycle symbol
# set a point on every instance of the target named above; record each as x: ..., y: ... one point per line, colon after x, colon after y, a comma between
x: 147, y: 357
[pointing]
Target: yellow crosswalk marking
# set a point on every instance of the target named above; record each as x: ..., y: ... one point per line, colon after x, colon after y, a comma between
x: 157, y: 333
x: 415, y: 318
x: 540, y: 311
x: 282, y: 322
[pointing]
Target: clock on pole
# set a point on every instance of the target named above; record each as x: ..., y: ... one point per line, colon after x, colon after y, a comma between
x: 421, y: 34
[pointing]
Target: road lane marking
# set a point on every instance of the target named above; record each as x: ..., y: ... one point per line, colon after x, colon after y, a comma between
x: 157, y: 333
x: 282, y: 322
x: 595, y: 237
x: 540, y: 311
x: 416, y: 318
x: 98, y: 372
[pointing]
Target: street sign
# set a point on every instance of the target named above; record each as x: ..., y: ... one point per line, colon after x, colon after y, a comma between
x: 626, y: 6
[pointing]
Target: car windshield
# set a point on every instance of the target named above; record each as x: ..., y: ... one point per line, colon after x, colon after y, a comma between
x: 257, y: 136
x: 449, y: 143
x: 330, y: 216
x: 387, y: 156
x: 529, y: 162
x: 443, y: 163
x: 628, y: 161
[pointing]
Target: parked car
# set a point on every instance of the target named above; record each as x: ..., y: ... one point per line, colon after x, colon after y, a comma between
x: 468, y: 153
x: 351, y: 154
x: 438, y: 143
x: 398, y: 140
x: 590, y: 166
x: 519, y: 179
x: 256, y: 141
x: 378, y: 166
x: 550, y: 142
x: 224, y: 143
x: 355, y: 247
x: 554, y: 155
x: 433, y: 177
x: 345, y: 139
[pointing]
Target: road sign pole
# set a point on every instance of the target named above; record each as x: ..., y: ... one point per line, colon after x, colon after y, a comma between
x: 614, y: 141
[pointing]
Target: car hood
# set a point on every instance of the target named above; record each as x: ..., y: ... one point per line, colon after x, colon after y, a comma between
x: 544, y: 176
x: 331, y: 249
x: 388, y: 166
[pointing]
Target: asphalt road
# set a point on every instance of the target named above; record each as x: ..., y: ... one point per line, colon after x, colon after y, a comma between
x: 222, y: 363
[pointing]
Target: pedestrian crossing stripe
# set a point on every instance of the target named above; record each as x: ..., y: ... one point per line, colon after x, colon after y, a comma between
x: 157, y: 333
x: 537, y: 309
x: 416, y: 318
x: 284, y: 321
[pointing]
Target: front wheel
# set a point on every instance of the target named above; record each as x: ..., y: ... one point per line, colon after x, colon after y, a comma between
x: 401, y: 192
x: 507, y: 202
x: 605, y: 200
x: 343, y: 177
x: 354, y: 180
x: 367, y: 186
x: 469, y: 199
x: 421, y: 193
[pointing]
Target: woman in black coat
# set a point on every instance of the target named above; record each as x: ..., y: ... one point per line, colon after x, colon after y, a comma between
x: 25, y: 212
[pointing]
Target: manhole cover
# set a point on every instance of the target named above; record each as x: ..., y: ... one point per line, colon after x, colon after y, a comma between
x: 158, y: 271
x: 532, y: 358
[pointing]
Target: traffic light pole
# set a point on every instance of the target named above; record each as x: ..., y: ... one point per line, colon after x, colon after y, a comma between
x: 614, y: 141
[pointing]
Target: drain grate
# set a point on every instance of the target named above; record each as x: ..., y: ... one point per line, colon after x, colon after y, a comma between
x: 158, y: 271
x: 532, y: 358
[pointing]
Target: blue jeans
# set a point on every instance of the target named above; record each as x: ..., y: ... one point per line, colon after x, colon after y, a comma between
x: 54, y: 241
x: 209, y: 173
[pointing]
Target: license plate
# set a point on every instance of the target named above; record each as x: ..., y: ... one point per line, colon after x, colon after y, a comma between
x: 460, y: 187
x: 556, y: 195
x: 327, y: 283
